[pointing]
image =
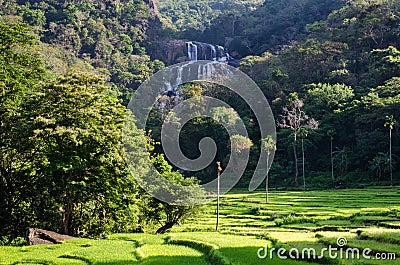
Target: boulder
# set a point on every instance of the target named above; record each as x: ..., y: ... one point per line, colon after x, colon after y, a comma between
x: 36, y: 236
x: 169, y: 51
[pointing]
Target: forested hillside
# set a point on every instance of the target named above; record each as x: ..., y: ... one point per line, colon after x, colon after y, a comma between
x: 246, y: 27
x: 69, y: 68
x: 107, y: 35
x: 341, y: 60
x: 347, y: 74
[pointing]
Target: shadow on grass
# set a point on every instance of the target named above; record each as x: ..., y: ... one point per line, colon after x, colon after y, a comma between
x: 159, y: 260
x: 248, y: 256
x: 173, y: 260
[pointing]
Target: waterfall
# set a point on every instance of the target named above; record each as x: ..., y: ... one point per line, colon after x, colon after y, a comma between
x: 213, y: 53
x: 192, y: 70
x: 221, y: 50
x: 195, y: 51
x: 192, y: 50
x: 179, y: 75
x: 205, y: 51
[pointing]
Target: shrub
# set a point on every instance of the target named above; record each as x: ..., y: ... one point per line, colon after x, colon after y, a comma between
x: 10, y: 241
x: 255, y: 210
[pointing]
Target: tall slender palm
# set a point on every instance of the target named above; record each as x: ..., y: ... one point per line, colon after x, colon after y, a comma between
x: 390, y: 122
x: 268, y: 145
x: 331, y: 133
x: 303, y: 134
x: 341, y: 159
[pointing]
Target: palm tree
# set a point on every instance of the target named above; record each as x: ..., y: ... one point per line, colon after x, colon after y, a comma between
x: 303, y: 134
x: 375, y: 166
x: 380, y: 164
x: 239, y: 143
x: 268, y: 145
x: 341, y: 156
x: 331, y: 133
x: 386, y: 163
x: 390, y: 122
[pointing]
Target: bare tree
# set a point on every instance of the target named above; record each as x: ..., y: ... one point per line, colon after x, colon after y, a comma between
x: 295, y: 118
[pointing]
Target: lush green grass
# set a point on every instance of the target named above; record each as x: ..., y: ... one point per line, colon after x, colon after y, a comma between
x: 342, y: 208
x: 367, y: 218
x: 81, y: 251
x: 170, y: 255
x: 236, y: 249
x: 298, y: 219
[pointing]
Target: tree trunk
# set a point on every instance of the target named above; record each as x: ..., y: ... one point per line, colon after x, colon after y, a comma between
x: 164, y: 228
x: 296, y: 178
x: 266, y: 182
x: 333, y: 177
x: 67, y: 218
x: 390, y: 158
x: 304, y: 175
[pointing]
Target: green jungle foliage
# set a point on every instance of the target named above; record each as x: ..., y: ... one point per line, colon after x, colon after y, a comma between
x: 68, y: 68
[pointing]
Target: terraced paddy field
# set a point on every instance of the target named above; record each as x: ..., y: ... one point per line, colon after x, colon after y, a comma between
x: 363, y: 221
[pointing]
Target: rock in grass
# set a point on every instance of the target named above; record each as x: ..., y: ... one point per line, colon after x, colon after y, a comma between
x: 36, y: 236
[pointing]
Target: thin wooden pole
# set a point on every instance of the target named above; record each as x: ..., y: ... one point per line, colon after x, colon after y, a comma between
x: 218, y: 192
x: 266, y: 181
x: 304, y: 174
x: 390, y: 158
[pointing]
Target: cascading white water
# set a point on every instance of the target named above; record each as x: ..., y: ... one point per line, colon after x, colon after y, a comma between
x: 213, y: 52
x: 221, y: 50
x: 180, y: 73
x: 192, y: 50
x: 205, y: 51
x: 195, y: 51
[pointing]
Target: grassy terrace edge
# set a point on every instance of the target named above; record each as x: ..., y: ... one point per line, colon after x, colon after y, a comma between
x: 365, y: 217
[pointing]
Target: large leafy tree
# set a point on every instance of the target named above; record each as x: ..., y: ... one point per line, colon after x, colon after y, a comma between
x: 77, y: 126
x: 20, y: 71
x: 384, y: 64
x: 326, y: 98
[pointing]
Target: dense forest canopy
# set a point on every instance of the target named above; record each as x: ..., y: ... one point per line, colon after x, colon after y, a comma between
x: 68, y: 68
x: 336, y: 57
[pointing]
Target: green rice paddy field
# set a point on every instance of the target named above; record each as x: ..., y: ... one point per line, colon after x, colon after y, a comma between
x: 366, y: 220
